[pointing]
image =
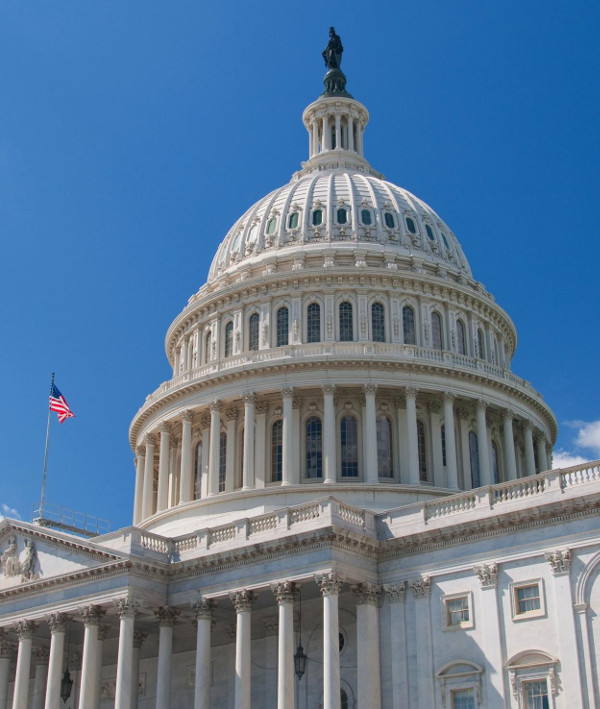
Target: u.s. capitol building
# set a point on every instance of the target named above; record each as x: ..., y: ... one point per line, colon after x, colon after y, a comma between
x: 343, y: 495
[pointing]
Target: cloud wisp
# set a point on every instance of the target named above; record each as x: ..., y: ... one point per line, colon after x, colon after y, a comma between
x: 585, y: 445
x: 8, y: 511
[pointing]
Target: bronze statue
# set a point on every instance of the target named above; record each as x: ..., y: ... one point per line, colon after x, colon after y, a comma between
x: 332, y: 53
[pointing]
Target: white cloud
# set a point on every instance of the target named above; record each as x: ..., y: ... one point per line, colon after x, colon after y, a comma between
x: 7, y: 511
x: 585, y: 445
x: 564, y: 459
x: 588, y: 436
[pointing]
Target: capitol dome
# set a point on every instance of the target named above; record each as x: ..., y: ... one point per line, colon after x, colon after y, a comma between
x: 339, y: 346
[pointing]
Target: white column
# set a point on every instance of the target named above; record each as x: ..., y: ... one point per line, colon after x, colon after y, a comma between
x: 57, y: 623
x: 215, y: 433
x: 485, y: 476
x: 435, y: 428
x: 148, y: 494
x: 5, y: 663
x: 398, y: 655
x: 367, y: 597
x: 529, y: 455
x: 326, y: 133
x: 163, y: 467
x: 350, y: 133
x: 205, y: 427
x: 330, y: 585
x: 284, y: 594
x: 371, y: 471
x: 166, y: 620
x: 186, y: 481
x: 230, y: 466
x: 509, y: 446
x: 248, y: 462
x: 271, y: 625
x: 92, y: 619
x: 41, y: 678
x: 203, y: 613
x: 242, y: 602
x: 25, y: 629
x: 139, y: 485
x: 260, y: 446
x: 451, y: 467
x: 138, y: 641
x: 296, y: 440
x: 414, y: 477
x: 425, y: 690
x: 126, y: 608
x: 338, y: 132
x: 315, y: 138
x: 541, y: 452
x: 329, y: 435
x: 402, y: 455
x: 287, y: 462
x: 492, y: 635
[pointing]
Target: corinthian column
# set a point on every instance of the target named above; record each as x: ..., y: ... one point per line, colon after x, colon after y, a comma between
x: 163, y: 467
x: 187, y: 460
x: 285, y: 593
x: 371, y: 471
x: 126, y: 608
x: 58, y: 628
x: 451, y: 467
x: 367, y: 597
x: 138, y: 641
x: 148, y: 493
x: 243, y: 602
x: 166, y: 620
x: 139, y: 485
x: 25, y: 630
x: 248, y: 462
x: 41, y: 677
x: 213, y: 463
x: 541, y: 451
x: 330, y: 585
x: 485, y: 474
x: 509, y: 446
x: 329, y: 438
x: 414, y: 477
x: 5, y: 662
x: 203, y: 612
x: 529, y: 454
x: 287, y: 447
x: 92, y: 619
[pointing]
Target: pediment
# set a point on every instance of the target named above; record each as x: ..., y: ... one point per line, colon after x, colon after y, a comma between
x: 29, y: 553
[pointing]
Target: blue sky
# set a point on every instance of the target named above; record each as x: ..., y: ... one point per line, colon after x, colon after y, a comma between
x: 133, y: 134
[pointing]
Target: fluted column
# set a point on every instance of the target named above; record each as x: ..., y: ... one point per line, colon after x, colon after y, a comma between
x: 367, y: 597
x: 485, y: 476
x: 414, y: 477
x: 425, y: 690
x: 451, y: 466
x: 186, y: 479
x: 25, y: 630
x: 350, y: 133
x: 166, y: 620
x: 40, y: 677
x: 139, y: 485
x: 213, y: 463
x: 163, y: 467
x: 5, y: 662
x: 243, y: 602
x: 148, y: 494
x: 371, y: 468
x: 126, y: 608
x: 138, y: 640
x: 285, y: 593
x: 330, y: 585
x: 203, y: 613
x: 92, y: 619
x: 287, y: 447
x: 57, y: 623
x: 541, y: 452
x: 231, y: 426
x: 529, y: 454
x: 329, y: 435
x: 509, y: 446
x: 396, y: 594
x: 248, y: 462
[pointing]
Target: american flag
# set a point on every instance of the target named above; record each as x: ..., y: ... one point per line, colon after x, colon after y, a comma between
x: 59, y: 404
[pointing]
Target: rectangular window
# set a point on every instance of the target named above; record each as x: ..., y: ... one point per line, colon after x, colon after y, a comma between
x: 457, y: 611
x: 527, y: 598
x: 535, y: 694
x: 463, y: 699
x: 222, y: 461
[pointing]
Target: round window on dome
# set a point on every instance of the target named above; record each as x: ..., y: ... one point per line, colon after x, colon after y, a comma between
x: 342, y: 216
x: 317, y: 217
x: 410, y: 225
x: 271, y: 225
x: 365, y: 216
x: 429, y: 231
x: 293, y: 220
x: 388, y: 217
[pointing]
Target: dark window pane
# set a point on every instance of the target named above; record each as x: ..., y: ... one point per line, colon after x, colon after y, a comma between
x: 282, y: 327
x: 365, y: 216
x: 422, y: 451
x: 389, y: 220
x: 313, y: 323
x: 222, y: 461
x: 276, y: 450
x: 429, y: 232
x: 293, y: 220
x: 253, y: 332
x: 346, y: 327
x: 408, y: 323
x: 228, y: 339
x: 349, y: 446
x: 410, y: 225
x: 378, y: 322
x: 385, y: 466
x: 314, y: 448
x: 317, y: 217
x: 474, y: 456
x: 342, y: 216
x: 461, y: 341
x: 271, y: 225
x: 436, y: 331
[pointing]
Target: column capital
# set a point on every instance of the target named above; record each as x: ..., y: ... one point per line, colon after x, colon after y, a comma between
x: 127, y: 607
x: 232, y: 414
x: 527, y: 425
x: 328, y: 389
x: 249, y: 397
x: 187, y: 416
x: 203, y: 608
x: 215, y: 406
x: 435, y: 406
x: 369, y: 389
x: 57, y: 622
x: 410, y: 392
x: 508, y: 414
x: 166, y: 615
x: 288, y: 392
x: 139, y: 453
x: 559, y: 560
x: 449, y: 397
x: 6, y: 648
x: 164, y: 427
x: 25, y: 629
x: 463, y: 412
x: 243, y: 600
x: 330, y: 583
x: 93, y: 615
x: 395, y: 592
x: 482, y: 405
x: 139, y: 637
x: 149, y: 439
x: 367, y: 593
x: 285, y: 591
x: 261, y: 407
x: 421, y: 587
x: 487, y: 574
x: 204, y: 422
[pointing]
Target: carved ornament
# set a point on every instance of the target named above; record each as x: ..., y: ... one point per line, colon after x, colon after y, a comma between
x: 395, y: 592
x: 330, y: 584
x: 367, y: 593
x: 559, y: 560
x: 487, y: 575
x: 243, y: 600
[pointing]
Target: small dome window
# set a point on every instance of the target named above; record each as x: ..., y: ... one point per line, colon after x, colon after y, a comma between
x: 365, y: 216
x: 342, y: 216
x: 236, y: 242
x: 317, y: 217
x: 410, y: 225
x: 429, y: 231
x: 389, y: 220
x: 293, y: 220
x: 271, y: 225
x: 446, y: 244
x: 252, y: 235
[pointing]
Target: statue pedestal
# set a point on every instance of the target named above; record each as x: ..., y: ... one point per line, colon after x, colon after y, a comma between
x: 335, y: 83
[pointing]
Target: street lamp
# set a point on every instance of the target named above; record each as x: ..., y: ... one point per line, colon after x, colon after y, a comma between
x: 300, y: 656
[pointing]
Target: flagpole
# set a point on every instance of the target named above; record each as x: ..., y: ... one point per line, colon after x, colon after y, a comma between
x: 43, y: 496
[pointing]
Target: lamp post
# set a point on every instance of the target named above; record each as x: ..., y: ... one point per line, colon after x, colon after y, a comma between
x: 300, y: 656
x: 66, y: 683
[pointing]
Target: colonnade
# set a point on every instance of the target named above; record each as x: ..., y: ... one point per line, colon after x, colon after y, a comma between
x: 447, y: 462
x: 47, y: 683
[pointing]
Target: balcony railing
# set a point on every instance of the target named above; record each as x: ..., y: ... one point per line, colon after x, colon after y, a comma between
x: 68, y: 520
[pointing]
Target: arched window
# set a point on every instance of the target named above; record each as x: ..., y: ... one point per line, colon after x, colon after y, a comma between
x: 446, y: 244
x: 436, y: 331
x: 253, y: 332
x: 349, y: 446
x: 282, y: 327
x: 313, y: 323
x: 443, y: 435
x: 410, y: 225
x: 388, y: 218
x: 343, y: 699
x: 293, y: 220
x: 408, y: 324
x: 222, y: 461
x: 429, y: 231
x: 377, y: 322
x: 346, y: 325
x: 276, y: 450
x: 314, y: 448
x: 385, y: 465
x: 422, y: 449
x: 198, y: 472
x: 207, y: 343
x: 317, y: 217
x: 461, y: 338
x: 474, y: 457
x: 228, y: 339
x: 365, y: 216
x: 342, y: 216
x: 480, y: 343
x: 495, y: 463
x: 271, y: 225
